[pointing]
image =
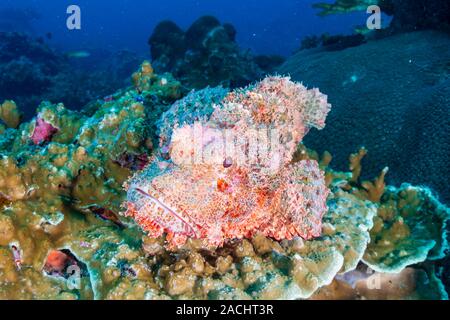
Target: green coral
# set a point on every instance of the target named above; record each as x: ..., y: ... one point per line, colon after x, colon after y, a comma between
x: 50, y: 190
x: 410, y: 227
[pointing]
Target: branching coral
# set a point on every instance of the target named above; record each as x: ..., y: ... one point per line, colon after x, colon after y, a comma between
x: 410, y: 225
x: 355, y: 163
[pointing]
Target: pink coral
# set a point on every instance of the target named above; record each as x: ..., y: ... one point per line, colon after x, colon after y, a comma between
x: 231, y: 177
x: 43, y: 131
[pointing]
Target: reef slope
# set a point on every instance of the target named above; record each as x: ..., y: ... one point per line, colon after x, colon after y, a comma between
x: 391, y: 96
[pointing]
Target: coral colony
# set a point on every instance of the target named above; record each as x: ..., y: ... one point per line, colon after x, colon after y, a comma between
x: 216, y: 198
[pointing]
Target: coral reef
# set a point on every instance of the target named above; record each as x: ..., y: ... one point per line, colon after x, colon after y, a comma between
x: 26, y: 75
x: 407, y: 14
x: 62, y: 237
x: 206, y: 55
x: 410, y: 222
x: 9, y: 114
x: 32, y: 72
x: 391, y: 96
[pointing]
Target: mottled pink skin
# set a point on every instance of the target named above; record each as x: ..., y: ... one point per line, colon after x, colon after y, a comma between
x: 217, y: 199
x: 43, y: 131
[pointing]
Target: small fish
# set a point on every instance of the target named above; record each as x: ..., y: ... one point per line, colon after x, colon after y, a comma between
x: 78, y: 54
x: 107, y: 215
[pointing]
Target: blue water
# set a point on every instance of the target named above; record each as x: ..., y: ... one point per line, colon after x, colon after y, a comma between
x: 264, y: 26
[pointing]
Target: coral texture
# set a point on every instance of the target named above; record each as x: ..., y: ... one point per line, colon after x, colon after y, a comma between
x: 400, y: 115
x: 412, y: 223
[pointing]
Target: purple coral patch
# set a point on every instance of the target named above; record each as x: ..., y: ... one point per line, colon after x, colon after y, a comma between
x: 43, y: 131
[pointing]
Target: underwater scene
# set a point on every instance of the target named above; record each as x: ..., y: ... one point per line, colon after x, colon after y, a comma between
x: 224, y: 150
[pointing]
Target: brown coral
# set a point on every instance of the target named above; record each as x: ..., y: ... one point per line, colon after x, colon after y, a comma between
x: 10, y: 114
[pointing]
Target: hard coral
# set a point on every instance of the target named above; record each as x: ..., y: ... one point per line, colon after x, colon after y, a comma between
x: 410, y: 227
x: 9, y: 114
x: 59, y: 203
x: 52, y: 193
x: 405, y: 127
x: 229, y: 199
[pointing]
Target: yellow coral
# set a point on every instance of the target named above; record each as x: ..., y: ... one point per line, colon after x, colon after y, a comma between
x: 355, y: 163
x: 374, y: 190
x: 9, y: 114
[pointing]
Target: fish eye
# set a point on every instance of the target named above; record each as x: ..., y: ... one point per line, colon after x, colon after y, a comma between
x: 227, y: 162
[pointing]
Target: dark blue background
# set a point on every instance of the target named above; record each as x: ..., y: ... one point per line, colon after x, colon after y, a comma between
x: 265, y: 26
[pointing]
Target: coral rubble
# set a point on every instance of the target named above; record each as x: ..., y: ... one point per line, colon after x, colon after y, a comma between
x: 62, y: 234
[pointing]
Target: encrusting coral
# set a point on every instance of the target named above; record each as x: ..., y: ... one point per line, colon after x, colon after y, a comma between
x: 409, y: 227
x: 61, y: 198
